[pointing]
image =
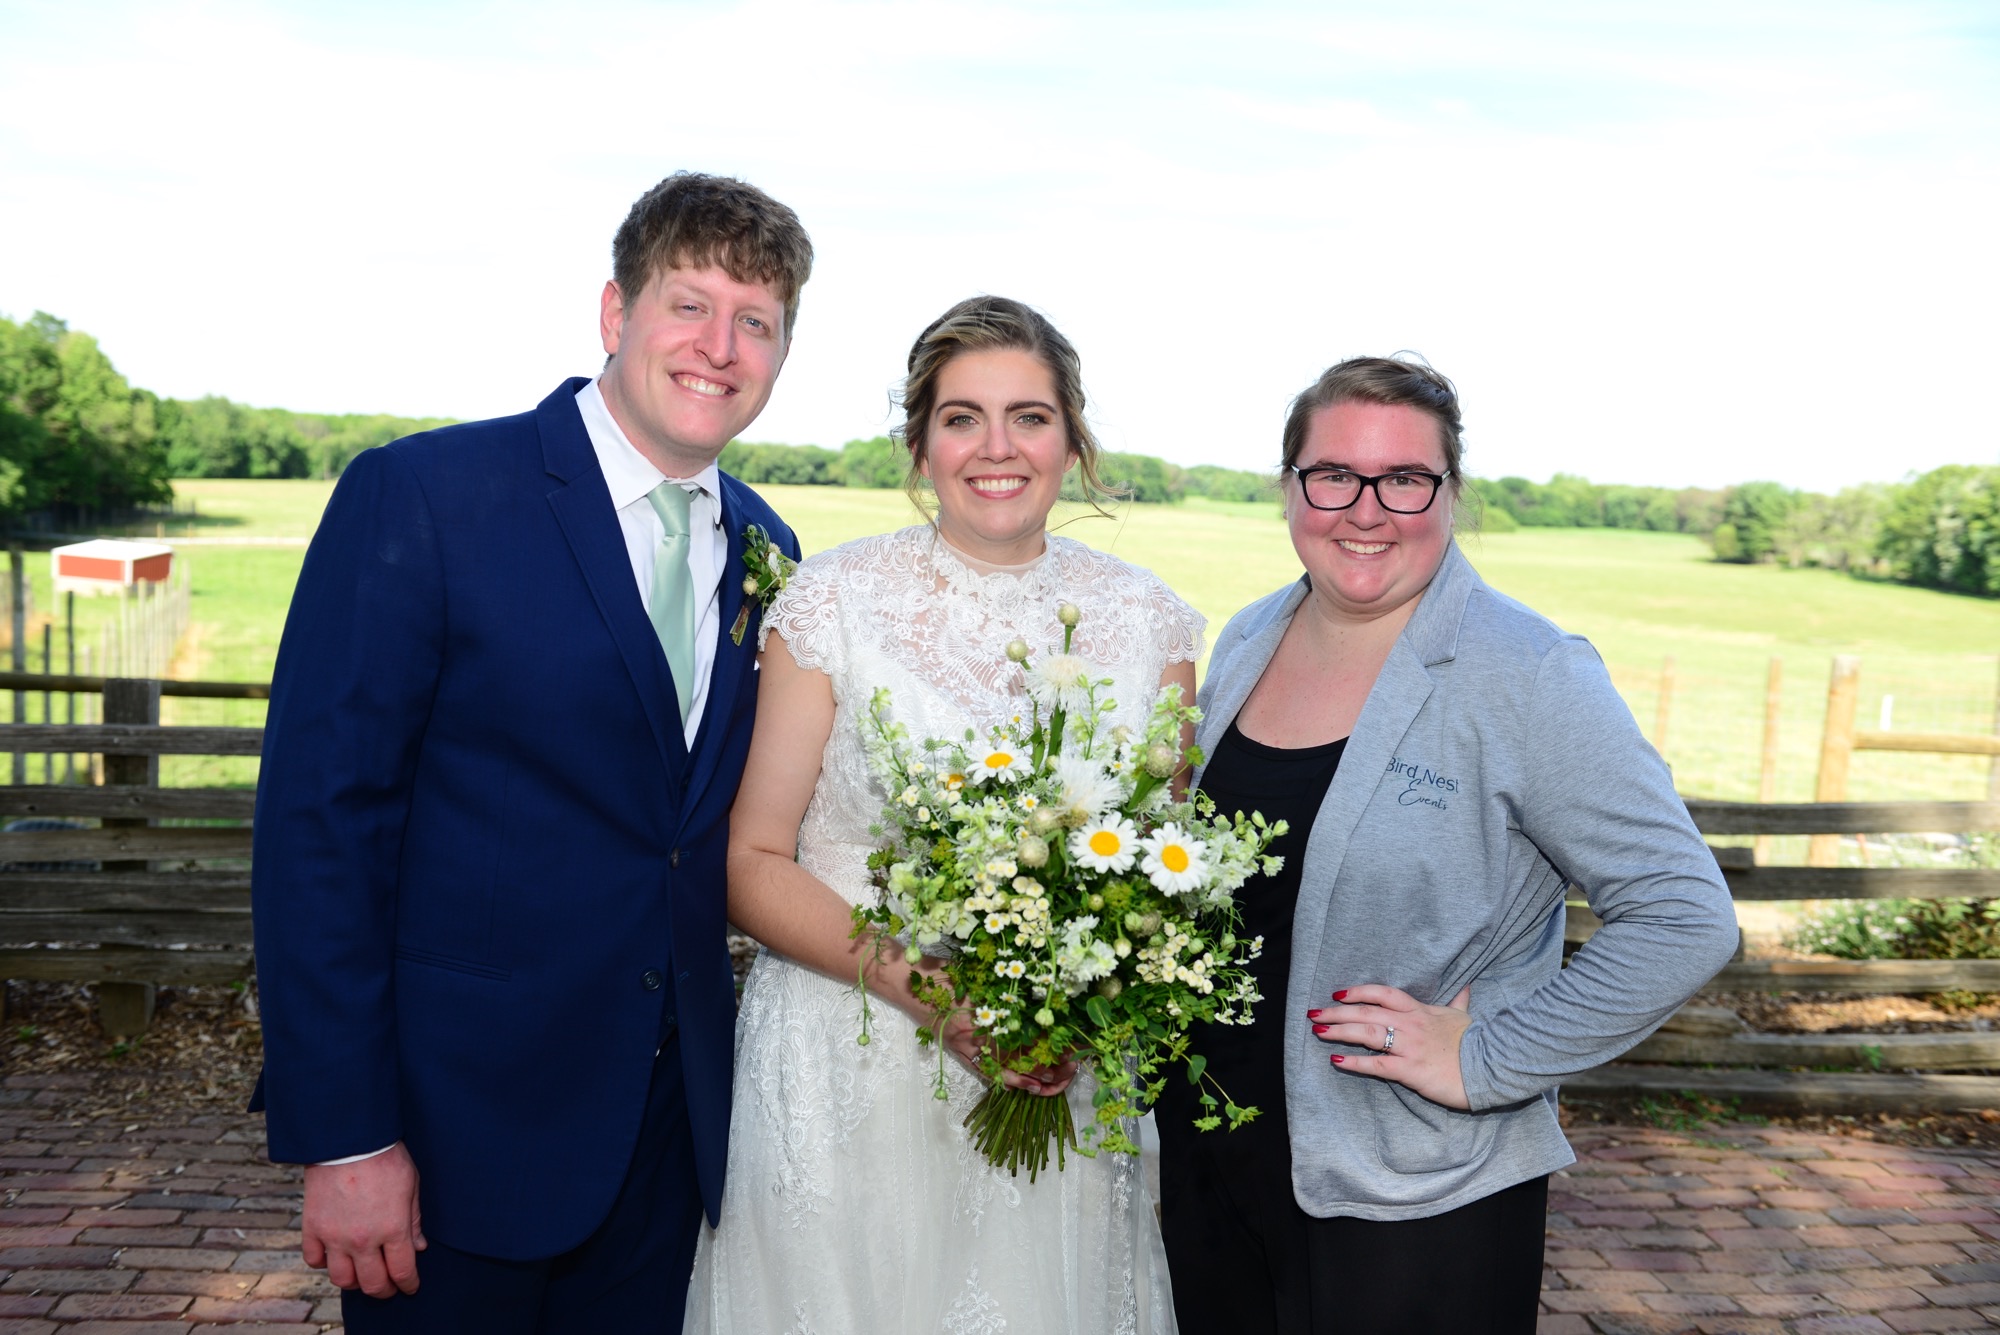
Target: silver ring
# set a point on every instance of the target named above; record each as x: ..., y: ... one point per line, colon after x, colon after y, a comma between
x: 1389, y: 1039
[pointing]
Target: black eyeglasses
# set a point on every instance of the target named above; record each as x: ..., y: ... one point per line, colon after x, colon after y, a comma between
x: 1330, y: 488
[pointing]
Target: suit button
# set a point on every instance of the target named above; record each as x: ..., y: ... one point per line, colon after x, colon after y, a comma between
x: 674, y: 858
x: 651, y: 980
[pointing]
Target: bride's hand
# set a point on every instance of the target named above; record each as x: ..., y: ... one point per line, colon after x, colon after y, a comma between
x: 964, y: 1041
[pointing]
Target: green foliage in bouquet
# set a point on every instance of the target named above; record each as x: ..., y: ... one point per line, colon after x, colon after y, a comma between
x: 1081, y: 911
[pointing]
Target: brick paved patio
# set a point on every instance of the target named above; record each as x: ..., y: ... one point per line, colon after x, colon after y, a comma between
x: 163, y: 1228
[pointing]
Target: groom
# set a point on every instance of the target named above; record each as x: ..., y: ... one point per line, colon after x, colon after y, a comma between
x: 507, y: 722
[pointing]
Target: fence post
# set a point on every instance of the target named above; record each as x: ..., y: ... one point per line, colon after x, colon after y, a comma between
x: 1836, y: 749
x: 126, y: 1009
x: 1666, y: 706
x: 18, y: 624
x: 1993, y: 770
x: 1767, y: 773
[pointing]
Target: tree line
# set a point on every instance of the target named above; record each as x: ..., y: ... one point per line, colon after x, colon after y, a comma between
x: 76, y: 438
x: 1940, y: 529
x: 881, y: 462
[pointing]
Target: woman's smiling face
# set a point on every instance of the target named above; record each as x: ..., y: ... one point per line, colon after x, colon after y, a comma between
x: 996, y: 452
x: 1367, y: 561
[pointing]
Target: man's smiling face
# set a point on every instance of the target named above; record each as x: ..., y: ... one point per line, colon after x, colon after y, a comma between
x: 693, y: 360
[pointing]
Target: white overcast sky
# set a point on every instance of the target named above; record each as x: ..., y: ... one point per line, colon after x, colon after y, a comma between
x: 1678, y: 243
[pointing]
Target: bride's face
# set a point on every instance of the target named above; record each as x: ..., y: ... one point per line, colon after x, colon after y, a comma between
x: 996, y: 454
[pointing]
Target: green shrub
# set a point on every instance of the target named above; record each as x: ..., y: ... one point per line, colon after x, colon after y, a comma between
x: 1905, y: 929
x: 1864, y: 929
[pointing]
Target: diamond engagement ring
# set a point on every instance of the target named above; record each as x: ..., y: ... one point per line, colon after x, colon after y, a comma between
x: 1389, y: 1039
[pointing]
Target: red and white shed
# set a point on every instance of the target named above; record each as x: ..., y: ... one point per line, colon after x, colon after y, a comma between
x: 109, y: 565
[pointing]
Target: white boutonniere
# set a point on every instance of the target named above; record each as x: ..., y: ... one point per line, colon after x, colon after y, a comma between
x: 766, y: 568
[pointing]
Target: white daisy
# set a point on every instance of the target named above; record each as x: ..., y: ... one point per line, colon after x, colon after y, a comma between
x: 985, y: 1016
x: 1174, y: 862
x: 999, y: 763
x: 1106, y: 845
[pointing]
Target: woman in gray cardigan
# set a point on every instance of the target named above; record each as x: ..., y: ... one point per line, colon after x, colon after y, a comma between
x: 1448, y: 760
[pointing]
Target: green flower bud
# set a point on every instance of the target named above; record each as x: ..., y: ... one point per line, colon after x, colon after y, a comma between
x: 1031, y: 851
x: 1069, y: 614
x: 1121, y: 947
x: 1045, y: 1017
x: 1161, y: 760
x: 1017, y: 650
x: 1096, y: 903
x: 750, y: 585
x: 1109, y: 987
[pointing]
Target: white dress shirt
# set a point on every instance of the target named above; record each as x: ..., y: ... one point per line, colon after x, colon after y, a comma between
x: 630, y: 476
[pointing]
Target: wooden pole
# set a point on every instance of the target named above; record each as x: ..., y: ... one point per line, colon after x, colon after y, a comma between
x: 125, y: 1009
x: 48, y: 698
x: 1767, y: 772
x: 1836, y: 750
x: 17, y: 584
x: 69, y: 648
x: 1666, y: 706
x: 1993, y: 770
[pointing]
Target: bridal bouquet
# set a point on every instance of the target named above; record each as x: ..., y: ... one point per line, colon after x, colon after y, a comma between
x: 1080, y: 910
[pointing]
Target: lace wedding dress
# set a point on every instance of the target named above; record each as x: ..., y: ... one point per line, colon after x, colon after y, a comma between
x: 854, y: 1201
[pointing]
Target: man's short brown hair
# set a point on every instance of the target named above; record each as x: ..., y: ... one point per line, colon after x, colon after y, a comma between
x: 695, y: 221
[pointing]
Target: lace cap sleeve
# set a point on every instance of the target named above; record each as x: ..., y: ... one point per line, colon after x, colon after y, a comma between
x: 1181, y: 627
x: 807, y: 613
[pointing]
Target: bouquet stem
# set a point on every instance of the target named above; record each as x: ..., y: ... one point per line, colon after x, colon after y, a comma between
x: 1012, y: 1127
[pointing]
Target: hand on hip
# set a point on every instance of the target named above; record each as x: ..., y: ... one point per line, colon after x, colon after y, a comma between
x: 1412, y: 1044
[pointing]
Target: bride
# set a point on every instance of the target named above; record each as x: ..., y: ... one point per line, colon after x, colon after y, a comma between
x: 854, y: 1199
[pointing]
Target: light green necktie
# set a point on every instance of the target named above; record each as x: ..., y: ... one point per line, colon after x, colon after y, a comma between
x: 672, y: 604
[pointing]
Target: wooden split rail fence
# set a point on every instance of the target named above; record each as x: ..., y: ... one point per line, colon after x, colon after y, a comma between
x: 1890, y: 1072
x: 158, y: 889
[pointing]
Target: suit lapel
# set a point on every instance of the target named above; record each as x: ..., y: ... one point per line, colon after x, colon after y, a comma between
x: 732, y: 660
x: 582, y: 507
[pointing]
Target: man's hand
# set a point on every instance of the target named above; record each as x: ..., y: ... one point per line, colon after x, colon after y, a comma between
x: 362, y: 1225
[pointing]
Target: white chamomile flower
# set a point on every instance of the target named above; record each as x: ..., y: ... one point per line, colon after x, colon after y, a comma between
x: 1010, y: 968
x: 1029, y: 801
x: 1086, y: 789
x: 1174, y: 862
x: 985, y: 1017
x: 1105, y: 845
x: 999, y: 763
x: 1060, y: 681
x: 996, y: 923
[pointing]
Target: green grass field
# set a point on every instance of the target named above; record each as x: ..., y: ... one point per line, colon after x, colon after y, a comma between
x: 1640, y: 597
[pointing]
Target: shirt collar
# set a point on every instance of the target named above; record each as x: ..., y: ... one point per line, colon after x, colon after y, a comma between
x: 628, y: 474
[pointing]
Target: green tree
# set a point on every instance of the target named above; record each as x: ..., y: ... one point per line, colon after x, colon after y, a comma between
x: 1753, y: 515
x: 96, y: 444
x: 877, y: 462
x: 1228, y: 484
x: 1943, y: 530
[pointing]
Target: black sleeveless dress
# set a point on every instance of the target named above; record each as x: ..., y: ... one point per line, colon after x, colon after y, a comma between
x: 1244, y: 1258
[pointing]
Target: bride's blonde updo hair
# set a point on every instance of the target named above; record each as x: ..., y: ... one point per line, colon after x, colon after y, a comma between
x: 983, y: 324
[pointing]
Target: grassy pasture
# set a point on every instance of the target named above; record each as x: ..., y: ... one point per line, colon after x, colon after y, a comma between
x: 1639, y: 597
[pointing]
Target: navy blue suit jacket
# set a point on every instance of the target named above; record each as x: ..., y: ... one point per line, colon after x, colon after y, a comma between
x: 488, y: 873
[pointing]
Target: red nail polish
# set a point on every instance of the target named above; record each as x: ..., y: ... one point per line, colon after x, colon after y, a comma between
x: 1340, y: 995
x: 1322, y: 1029
x: 1337, y: 1059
